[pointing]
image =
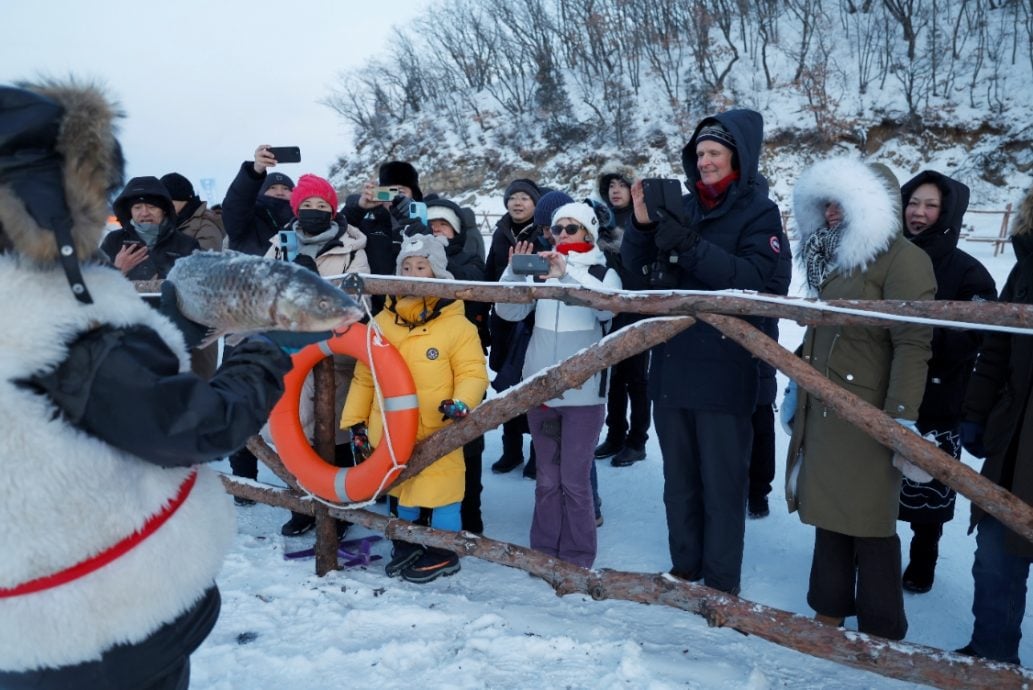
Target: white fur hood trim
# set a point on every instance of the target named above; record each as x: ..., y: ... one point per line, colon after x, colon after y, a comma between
x: 871, y: 211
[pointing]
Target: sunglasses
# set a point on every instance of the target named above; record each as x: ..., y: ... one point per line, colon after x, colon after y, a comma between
x: 570, y: 229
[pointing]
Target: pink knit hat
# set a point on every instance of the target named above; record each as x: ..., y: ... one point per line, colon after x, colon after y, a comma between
x: 309, y: 186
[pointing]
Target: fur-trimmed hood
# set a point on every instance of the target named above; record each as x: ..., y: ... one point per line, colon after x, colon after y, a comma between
x: 870, y: 198
x: 59, y: 161
x: 611, y: 171
x: 1023, y: 222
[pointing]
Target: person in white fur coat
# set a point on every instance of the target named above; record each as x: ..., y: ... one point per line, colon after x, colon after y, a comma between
x: 113, y: 533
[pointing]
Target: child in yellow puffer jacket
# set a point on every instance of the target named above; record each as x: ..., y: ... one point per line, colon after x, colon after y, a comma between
x: 444, y: 355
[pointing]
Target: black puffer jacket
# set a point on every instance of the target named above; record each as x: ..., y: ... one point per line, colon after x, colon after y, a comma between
x: 739, y: 247
x: 504, y: 238
x: 960, y: 277
x: 170, y: 246
x: 251, y: 218
x: 999, y: 393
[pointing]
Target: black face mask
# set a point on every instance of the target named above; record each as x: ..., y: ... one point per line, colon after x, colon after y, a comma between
x: 313, y: 221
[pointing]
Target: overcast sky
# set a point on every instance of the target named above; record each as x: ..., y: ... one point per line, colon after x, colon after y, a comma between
x: 203, y: 83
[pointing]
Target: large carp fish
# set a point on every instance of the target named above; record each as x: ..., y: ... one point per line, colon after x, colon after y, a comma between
x: 237, y: 293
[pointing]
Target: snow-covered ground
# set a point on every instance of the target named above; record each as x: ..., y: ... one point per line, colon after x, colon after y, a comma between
x: 495, y: 627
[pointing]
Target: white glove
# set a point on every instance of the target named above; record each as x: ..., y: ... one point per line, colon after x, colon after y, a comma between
x: 787, y: 411
x: 906, y: 467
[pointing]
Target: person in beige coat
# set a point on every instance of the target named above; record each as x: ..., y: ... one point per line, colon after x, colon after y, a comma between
x: 841, y: 480
x: 321, y: 240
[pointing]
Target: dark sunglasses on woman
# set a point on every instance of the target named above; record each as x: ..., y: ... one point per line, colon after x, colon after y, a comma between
x: 570, y: 229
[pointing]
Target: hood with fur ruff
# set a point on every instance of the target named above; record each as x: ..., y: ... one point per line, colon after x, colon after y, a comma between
x: 75, y: 121
x: 870, y: 198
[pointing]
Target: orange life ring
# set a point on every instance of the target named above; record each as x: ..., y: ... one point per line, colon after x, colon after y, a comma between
x: 401, y: 408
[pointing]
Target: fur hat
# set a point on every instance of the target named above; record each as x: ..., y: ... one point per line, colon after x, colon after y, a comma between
x: 611, y: 172
x: 429, y: 246
x: 446, y: 214
x: 582, y: 213
x: 524, y: 185
x: 179, y: 187
x: 147, y: 189
x: 549, y: 202
x: 401, y: 173
x: 59, y: 163
x: 275, y: 178
x: 313, y: 186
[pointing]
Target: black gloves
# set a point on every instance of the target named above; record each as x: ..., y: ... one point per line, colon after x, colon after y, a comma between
x: 306, y: 261
x: 972, y: 439
x: 671, y: 235
x: 193, y: 332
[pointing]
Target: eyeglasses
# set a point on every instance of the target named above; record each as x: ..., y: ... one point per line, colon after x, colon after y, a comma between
x: 570, y: 229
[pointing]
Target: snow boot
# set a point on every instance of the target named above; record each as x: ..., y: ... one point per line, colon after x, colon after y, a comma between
x: 925, y: 548
x: 434, y: 563
x: 531, y: 468
x: 628, y: 456
x: 512, y: 454
x: 757, y: 508
x: 608, y: 448
x: 403, y: 554
x: 297, y: 525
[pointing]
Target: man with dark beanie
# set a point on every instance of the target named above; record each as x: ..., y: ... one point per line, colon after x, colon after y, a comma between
x: 257, y: 204
x: 192, y: 215
x: 517, y: 225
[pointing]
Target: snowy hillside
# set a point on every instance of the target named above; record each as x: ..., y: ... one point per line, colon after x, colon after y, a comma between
x: 477, y: 93
x: 493, y: 627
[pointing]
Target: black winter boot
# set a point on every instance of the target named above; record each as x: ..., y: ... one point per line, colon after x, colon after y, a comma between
x: 512, y: 454
x: 531, y: 468
x: 925, y: 547
x: 608, y: 448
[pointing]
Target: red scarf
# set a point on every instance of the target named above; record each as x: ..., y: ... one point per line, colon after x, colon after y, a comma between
x: 579, y: 247
x: 710, y: 195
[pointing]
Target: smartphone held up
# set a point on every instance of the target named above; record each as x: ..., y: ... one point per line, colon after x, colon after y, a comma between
x: 285, y: 154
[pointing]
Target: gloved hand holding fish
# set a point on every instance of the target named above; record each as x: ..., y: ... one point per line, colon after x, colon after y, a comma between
x: 235, y: 293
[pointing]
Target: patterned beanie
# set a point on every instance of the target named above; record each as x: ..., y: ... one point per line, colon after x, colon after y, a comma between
x: 428, y: 246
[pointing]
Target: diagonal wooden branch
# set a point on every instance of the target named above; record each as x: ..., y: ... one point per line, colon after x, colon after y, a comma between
x: 902, y: 660
x: 1003, y: 505
x: 543, y: 386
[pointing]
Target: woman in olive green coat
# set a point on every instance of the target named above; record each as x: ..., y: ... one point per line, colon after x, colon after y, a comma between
x: 840, y: 479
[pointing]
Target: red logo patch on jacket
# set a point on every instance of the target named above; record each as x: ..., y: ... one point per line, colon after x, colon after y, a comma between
x: 776, y: 245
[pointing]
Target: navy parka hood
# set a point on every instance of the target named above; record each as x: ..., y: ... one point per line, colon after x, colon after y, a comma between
x: 943, y: 235
x: 747, y: 128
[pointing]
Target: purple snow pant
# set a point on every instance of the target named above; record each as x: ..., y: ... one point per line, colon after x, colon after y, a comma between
x: 564, y: 512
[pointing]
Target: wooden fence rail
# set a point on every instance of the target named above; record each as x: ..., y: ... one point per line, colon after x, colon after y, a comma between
x: 894, y: 659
